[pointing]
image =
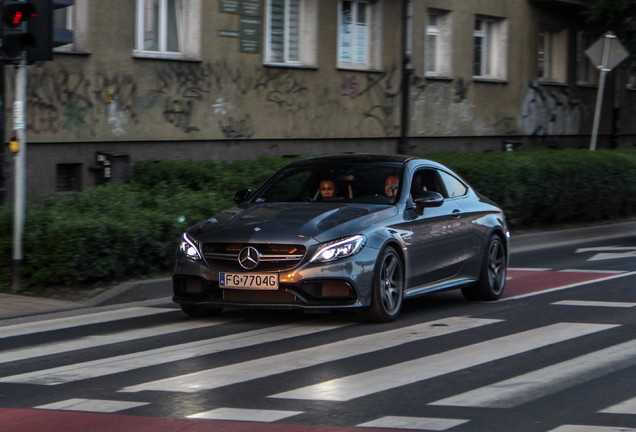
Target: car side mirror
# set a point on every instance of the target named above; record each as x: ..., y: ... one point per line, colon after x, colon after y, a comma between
x: 241, y: 196
x: 425, y: 199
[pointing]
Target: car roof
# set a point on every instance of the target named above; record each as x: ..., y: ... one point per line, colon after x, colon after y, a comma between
x: 355, y: 158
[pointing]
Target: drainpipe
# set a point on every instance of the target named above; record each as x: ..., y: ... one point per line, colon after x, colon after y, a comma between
x: 407, y: 71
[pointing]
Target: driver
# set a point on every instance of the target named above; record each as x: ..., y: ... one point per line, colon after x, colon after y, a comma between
x: 391, y: 186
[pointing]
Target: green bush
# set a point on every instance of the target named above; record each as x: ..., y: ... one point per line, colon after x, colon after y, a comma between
x: 126, y: 230
x: 546, y: 186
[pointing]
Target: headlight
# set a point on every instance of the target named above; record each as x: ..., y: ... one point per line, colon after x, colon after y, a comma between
x: 188, y: 247
x: 339, y: 249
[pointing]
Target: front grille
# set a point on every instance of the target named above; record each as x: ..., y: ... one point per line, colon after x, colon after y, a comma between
x: 272, y: 257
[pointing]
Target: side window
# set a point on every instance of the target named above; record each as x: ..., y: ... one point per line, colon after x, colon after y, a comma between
x: 454, y: 187
x: 425, y: 180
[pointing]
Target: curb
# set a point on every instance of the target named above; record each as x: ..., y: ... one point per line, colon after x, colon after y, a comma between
x: 564, y: 237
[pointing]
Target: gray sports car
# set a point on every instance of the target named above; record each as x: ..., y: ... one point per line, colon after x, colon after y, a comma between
x: 360, y: 232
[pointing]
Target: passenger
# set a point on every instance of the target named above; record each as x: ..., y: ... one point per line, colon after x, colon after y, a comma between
x: 391, y: 186
x: 327, y: 189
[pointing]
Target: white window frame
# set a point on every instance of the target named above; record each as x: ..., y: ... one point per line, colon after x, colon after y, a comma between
x: 188, y: 26
x: 491, y: 34
x: 438, y: 46
x: 359, y: 42
x: 74, y: 18
x: 586, y: 72
x: 300, y: 30
x: 552, y: 55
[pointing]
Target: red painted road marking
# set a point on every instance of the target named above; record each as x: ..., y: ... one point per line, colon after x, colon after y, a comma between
x: 34, y: 420
x: 526, y: 281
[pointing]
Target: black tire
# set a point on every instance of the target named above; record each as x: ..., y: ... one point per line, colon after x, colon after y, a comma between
x: 492, y: 280
x: 200, y: 311
x: 388, y: 288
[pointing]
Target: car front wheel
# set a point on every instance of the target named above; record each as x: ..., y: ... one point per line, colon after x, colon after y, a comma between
x: 493, y: 273
x: 388, y: 288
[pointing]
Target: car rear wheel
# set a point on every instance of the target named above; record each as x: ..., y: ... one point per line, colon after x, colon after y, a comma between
x: 388, y: 288
x: 493, y: 273
x: 200, y: 311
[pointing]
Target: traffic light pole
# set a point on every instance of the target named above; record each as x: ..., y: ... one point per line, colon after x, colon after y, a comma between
x: 19, y: 126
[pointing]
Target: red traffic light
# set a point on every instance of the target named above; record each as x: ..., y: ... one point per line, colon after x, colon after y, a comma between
x: 16, y: 14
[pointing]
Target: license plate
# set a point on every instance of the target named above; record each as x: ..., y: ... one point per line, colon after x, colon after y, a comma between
x: 254, y: 281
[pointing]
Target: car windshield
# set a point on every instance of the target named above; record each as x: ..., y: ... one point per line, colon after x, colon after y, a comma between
x: 367, y: 183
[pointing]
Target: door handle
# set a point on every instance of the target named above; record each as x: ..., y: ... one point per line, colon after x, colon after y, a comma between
x: 456, y: 213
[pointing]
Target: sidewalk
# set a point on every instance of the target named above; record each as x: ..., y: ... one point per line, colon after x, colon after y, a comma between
x: 13, y: 306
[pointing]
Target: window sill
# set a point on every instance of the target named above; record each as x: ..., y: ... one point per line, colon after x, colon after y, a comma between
x: 438, y: 78
x: 290, y: 66
x: 546, y: 82
x: 587, y: 85
x: 354, y: 69
x: 163, y: 56
x: 485, y: 80
x: 71, y: 52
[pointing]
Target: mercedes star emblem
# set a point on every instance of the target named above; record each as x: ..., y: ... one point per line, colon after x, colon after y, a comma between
x: 248, y: 257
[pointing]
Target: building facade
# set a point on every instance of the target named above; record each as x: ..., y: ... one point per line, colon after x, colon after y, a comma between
x: 236, y: 79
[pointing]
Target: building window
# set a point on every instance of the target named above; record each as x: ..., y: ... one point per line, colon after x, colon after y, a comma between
x: 75, y: 19
x: 437, y: 55
x: 586, y: 72
x: 358, y: 33
x: 290, y: 37
x: 552, y: 55
x: 68, y: 177
x: 168, y: 28
x: 490, y: 39
x: 64, y: 19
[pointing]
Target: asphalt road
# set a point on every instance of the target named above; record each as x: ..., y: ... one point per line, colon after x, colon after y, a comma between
x: 556, y: 354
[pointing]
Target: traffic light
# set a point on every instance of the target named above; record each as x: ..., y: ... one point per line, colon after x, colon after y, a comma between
x: 44, y: 29
x: 15, y: 35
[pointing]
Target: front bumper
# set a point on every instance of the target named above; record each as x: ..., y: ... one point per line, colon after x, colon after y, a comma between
x: 343, y: 284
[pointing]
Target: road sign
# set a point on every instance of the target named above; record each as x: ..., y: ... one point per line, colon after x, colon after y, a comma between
x: 607, y: 52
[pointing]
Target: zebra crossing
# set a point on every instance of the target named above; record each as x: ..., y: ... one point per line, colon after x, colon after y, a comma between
x: 295, y: 369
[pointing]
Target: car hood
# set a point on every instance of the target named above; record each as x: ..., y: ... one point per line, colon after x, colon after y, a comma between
x: 285, y: 222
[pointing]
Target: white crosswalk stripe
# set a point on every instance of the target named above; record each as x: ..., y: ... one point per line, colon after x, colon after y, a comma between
x: 80, y: 320
x: 127, y: 362
x: 584, y: 428
x: 101, y: 340
x: 260, y: 368
x: 526, y: 387
x: 367, y: 383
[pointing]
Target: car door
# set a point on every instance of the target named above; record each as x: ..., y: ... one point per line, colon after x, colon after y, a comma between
x: 438, y: 245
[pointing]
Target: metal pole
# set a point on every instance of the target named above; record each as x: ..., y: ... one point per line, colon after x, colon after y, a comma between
x: 601, y: 87
x: 20, y: 172
x: 407, y: 72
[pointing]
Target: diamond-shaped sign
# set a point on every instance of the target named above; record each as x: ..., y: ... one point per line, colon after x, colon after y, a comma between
x: 615, y: 54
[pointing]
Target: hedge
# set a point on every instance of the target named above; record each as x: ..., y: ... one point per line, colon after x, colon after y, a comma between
x: 547, y: 187
x: 127, y: 230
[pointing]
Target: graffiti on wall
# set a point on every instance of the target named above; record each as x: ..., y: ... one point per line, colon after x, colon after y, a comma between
x: 66, y: 99
x: 216, y: 100
x: 550, y: 111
